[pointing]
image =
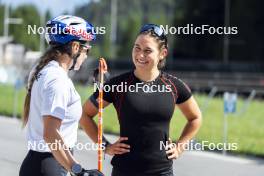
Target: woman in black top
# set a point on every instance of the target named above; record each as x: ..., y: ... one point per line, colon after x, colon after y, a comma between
x: 145, y: 106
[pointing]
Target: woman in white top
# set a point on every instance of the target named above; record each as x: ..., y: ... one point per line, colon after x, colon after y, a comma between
x: 52, y: 106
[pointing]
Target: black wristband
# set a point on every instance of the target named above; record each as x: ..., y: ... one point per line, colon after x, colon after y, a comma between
x: 105, y: 142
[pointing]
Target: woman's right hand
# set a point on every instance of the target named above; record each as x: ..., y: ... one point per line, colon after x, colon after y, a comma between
x: 118, y: 148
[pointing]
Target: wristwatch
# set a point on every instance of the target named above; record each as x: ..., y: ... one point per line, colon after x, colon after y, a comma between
x: 76, y: 168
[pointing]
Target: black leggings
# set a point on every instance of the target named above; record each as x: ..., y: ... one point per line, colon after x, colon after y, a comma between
x: 41, y: 164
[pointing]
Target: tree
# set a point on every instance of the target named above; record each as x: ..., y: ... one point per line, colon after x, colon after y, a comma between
x: 199, y: 13
x: 30, y: 16
x: 131, y: 15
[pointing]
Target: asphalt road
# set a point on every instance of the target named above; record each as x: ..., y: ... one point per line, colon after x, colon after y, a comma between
x: 13, y: 149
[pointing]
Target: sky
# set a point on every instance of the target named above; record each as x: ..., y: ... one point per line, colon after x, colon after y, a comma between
x: 56, y: 7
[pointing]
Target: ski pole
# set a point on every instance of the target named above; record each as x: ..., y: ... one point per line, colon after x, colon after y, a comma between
x: 102, y: 71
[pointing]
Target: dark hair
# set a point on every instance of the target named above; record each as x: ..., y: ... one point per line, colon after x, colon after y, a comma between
x: 162, y: 42
x: 51, y: 54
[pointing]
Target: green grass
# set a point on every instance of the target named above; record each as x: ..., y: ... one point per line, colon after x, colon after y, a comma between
x: 246, y: 130
x: 7, y: 94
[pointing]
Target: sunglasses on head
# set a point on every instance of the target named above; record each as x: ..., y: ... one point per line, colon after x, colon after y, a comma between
x: 157, y: 30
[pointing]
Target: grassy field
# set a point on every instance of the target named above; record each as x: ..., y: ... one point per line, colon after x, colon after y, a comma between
x: 247, y: 130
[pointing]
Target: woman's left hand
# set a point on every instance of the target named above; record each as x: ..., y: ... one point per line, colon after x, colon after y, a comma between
x: 173, y: 150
